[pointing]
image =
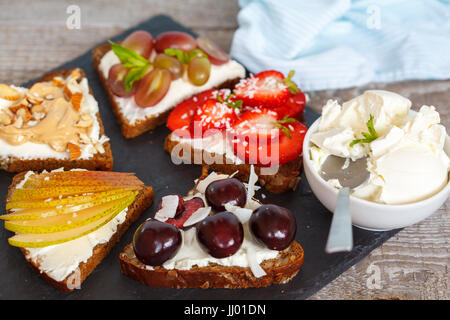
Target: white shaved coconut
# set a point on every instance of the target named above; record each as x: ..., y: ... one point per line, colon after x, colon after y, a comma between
x: 257, y: 270
x: 203, y: 184
x: 251, y: 183
x: 243, y: 214
x: 197, y: 216
x: 189, y: 236
x: 233, y: 174
x: 168, y: 209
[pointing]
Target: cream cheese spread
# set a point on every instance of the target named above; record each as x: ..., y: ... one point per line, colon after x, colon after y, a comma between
x: 406, y: 162
x: 179, y: 90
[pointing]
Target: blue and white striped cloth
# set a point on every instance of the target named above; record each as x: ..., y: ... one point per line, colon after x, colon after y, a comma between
x: 342, y: 43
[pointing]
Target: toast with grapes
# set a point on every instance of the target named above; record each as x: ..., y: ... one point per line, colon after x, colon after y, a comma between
x: 218, y: 236
x: 29, y: 117
x: 146, y: 77
x: 67, y: 222
x: 260, y: 122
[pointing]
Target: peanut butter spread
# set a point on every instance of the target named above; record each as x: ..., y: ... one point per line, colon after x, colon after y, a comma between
x: 48, y: 113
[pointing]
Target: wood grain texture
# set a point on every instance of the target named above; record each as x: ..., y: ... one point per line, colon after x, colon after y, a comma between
x: 34, y: 39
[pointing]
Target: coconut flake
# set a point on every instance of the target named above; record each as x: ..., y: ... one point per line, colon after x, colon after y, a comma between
x: 251, y: 183
x: 189, y: 236
x: 257, y: 270
x: 197, y: 216
x: 243, y: 214
x: 203, y: 184
x: 168, y: 209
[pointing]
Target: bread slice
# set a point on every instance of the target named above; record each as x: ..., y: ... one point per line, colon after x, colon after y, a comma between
x: 100, y: 161
x: 139, y: 127
x: 143, y: 200
x: 279, y: 270
x: 285, y: 179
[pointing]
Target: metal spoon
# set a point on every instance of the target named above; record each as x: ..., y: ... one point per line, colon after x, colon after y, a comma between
x: 350, y: 175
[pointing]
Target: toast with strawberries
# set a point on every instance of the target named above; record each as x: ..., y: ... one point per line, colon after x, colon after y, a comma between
x: 260, y: 122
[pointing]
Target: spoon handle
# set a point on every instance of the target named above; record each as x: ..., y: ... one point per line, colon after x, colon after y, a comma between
x: 340, y: 237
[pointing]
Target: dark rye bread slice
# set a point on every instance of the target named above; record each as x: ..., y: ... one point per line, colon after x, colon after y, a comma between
x: 103, y: 161
x: 279, y: 270
x: 286, y: 178
x: 139, y: 127
x: 143, y: 200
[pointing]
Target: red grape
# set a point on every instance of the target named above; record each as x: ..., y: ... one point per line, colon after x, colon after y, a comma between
x: 172, y: 64
x: 199, y: 70
x: 116, y: 81
x: 153, y: 87
x: 141, y: 42
x: 175, y: 40
x: 215, y: 53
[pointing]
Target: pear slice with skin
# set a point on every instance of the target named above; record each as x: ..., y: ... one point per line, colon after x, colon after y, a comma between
x: 33, y: 240
x: 69, y: 200
x: 38, y: 213
x: 69, y: 221
x: 58, y: 192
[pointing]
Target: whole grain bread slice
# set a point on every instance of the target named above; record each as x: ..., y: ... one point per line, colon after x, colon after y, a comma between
x: 128, y: 129
x: 143, y: 200
x: 100, y: 161
x: 278, y: 270
x: 286, y: 178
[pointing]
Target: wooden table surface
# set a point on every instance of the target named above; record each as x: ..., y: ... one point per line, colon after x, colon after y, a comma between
x: 34, y: 38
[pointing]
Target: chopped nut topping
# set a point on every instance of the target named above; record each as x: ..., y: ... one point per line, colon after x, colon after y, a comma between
x: 5, y: 119
x: 8, y: 93
x: 74, y: 150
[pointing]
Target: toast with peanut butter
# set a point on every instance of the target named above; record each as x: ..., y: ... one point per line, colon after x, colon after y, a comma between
x: 54, y: 123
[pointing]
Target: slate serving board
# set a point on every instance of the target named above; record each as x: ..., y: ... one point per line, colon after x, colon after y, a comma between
x: 145, y: 156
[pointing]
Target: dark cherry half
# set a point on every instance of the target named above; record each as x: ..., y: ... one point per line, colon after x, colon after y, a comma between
x: 223, y: 191
x: 220, y: 235
x: 273, y: 226
x: 155, y: 242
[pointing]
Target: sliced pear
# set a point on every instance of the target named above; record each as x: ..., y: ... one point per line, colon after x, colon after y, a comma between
x: 33, y: 240
x: 59, y: 192
x: 37, y: 213
x: 80, y: 178
x: 69, y: 221
x: 59, y: 203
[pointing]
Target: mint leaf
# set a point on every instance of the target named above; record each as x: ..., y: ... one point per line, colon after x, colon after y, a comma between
x: 134, y: 75
x: 128, y: 57
x: 369, y: 136
x: 185, y: 57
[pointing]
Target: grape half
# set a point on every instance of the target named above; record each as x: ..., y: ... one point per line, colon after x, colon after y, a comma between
x: 172, y: 64
x: 199, y: 70
x: 175, y: 40
x: 116, y: 81
x: 153, y: 87
x: 141, y: 42
x: 215, y: 53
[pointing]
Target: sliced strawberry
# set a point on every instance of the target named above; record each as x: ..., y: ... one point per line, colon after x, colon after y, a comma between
x: 213, y: 115
x: 181, y: 116
x: 262, y: 138
x: 265, y: 89
x: 190, y: 206
x: 293, y: 107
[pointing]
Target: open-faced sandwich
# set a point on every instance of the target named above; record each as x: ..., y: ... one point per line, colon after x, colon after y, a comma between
x: 259, y: 123
x: 54, y: 123
x: 218, y: 236
x: 145, y: 77
x: 66, y: 222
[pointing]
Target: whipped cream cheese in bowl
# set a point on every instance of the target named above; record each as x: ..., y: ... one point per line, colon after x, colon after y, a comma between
x: 407, y: 158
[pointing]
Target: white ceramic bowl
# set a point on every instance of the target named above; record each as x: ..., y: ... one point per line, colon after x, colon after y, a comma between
x: 367, y: 214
